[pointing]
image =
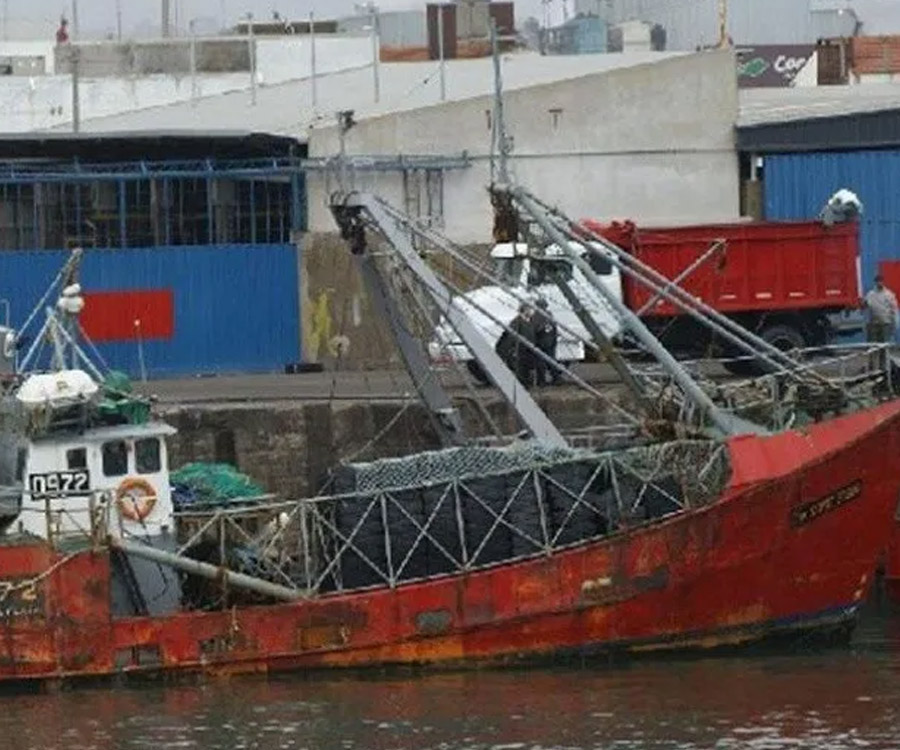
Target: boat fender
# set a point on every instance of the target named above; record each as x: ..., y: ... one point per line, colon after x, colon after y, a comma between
x: 135, y: 499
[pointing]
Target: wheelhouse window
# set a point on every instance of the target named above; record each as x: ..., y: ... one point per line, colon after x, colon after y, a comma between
x: 147, y: 456
x: 599, y: 263
x: 549, y: 271
x: 115, y: 458
x: 21, y: 459
x: 76, y: 458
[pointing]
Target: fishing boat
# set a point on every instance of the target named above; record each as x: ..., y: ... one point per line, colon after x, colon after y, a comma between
x: 694, y: 531
x: 710, y: 516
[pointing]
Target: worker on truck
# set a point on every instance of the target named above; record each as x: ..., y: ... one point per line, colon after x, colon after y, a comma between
x: 881, y: 304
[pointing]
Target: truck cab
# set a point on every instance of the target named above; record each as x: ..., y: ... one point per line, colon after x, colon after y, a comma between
x: 526, y: 274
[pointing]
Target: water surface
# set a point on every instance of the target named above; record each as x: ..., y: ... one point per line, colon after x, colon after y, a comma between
x: 839, y: 698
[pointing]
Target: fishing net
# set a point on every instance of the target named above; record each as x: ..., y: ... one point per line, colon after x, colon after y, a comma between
x: 211, y: 484
x: 118, y: 402
x: 435, y: 467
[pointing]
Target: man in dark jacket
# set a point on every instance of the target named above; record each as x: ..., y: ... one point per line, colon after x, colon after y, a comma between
x: 545, y: 338
x: 511, y: 349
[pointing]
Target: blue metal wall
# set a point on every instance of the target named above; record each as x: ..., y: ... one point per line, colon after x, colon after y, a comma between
x: 798, y: 185
x: 236, y: 307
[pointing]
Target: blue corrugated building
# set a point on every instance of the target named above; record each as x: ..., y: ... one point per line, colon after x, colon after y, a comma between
x: 796, y: 186
x: 191, y: 264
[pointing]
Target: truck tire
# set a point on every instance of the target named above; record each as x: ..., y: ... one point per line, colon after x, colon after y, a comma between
x: 784, y: 337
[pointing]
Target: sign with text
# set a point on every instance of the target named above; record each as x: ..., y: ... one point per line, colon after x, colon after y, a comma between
x: 774, y: 65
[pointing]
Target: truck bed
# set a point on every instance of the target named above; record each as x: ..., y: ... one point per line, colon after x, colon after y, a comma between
x: 767, y: 266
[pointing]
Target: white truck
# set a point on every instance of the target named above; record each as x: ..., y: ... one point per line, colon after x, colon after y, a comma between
x: 525, y: 275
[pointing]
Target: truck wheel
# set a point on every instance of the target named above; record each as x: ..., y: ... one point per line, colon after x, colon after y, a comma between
x: 783, y: 337
x: 477, y: 372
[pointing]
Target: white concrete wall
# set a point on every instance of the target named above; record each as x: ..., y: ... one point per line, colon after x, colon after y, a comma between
x: 653, y: 142
x: 30, y: 49
x: 290, y: 58
x: 45, y: 102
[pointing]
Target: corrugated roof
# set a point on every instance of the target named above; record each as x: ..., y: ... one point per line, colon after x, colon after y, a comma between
x: 286, y: 109
x: 771, y: 106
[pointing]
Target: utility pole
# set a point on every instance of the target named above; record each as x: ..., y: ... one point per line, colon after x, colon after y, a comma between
x: 443, y: 63
x: 376, y: 55
x: 251, y: 41
x: 192, y: 25
x: 76, y: 95
x: 723, y: 24
x: 119, y: 20
x: 166, y: 18
x: 314, y: 84
x: 75, y: 32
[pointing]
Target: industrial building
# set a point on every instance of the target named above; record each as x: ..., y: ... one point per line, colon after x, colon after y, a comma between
x: 567, y: 143
x: 426, y: 143
x: 190, y: 265
x: 694, y: 24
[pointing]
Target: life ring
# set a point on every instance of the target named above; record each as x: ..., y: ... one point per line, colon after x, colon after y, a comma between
x: 135, y: 499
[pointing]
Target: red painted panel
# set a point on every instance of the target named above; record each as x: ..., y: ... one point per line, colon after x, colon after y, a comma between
x: 111, y: 316
x: 890, y: 269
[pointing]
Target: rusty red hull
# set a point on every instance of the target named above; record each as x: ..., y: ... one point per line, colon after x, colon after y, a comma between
x: 792, y: 543
x: 892, y: 564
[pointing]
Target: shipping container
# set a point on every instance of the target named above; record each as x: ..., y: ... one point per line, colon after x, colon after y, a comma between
x: 169, y: 311
x: 797, y: 186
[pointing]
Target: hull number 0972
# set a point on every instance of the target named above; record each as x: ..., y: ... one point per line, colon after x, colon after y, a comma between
x: 59, y: 483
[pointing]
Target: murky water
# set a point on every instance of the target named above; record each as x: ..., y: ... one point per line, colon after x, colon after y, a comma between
x: 845, y: 698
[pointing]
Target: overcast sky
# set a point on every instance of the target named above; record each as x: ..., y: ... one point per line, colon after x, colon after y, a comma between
x: 100, y: 15
x: 39, y: 17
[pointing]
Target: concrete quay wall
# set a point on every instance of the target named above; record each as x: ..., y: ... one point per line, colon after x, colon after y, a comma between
x: 289, y: 447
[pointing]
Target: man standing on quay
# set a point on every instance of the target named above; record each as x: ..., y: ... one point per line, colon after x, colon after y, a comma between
x: 882, y: 306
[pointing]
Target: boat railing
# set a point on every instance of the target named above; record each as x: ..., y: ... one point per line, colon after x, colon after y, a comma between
x: 81, y: 520
x: 410, y: 529
x: 829, y: 380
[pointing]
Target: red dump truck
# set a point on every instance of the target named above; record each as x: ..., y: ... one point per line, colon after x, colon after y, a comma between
x: 796, y: 284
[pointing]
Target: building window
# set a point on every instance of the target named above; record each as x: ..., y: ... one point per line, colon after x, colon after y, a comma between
x: 115, y: 459
x: 555, y: 119
x: 156, y: 207
x: 147, y: 456
x: 76, y: 458
x: 21, y: 460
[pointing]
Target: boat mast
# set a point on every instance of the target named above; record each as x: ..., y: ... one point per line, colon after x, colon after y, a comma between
x: 500, y: 142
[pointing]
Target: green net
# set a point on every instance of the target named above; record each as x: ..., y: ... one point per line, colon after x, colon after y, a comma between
x: 213, y: 483
x: 120, y: 403
x: 117, y: 384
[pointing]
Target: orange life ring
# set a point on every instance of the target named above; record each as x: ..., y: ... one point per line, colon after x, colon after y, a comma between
x: 135, y: 499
